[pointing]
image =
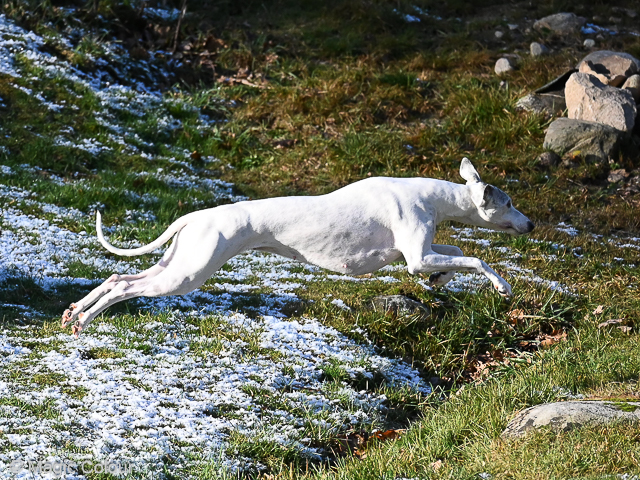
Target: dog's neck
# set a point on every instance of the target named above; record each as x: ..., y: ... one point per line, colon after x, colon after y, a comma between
x: 455, y: 203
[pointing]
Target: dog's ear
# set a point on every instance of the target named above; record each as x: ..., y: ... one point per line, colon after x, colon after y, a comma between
x: 468, y: 172
x: 493, y: 197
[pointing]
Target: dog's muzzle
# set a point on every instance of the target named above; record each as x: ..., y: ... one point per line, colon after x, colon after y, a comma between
x: 529, y: 227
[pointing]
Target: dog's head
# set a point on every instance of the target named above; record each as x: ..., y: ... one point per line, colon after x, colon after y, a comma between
x: 493, y: 205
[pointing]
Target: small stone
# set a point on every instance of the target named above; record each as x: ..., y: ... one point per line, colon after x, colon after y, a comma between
x: 633, y: 85
x: 565, y: 416
x: 589, y: 99
x: 569, y: 163
x: 615, y: 20
x: 512, y: 26
x: 576, y: 138
x: 560, y: 23
x: 589, y: 43
x: 399, y: 304
x: 503, y: 65
x: 616, y: 176
x: 499, y: 34
x: 538, y: 49
x: 627, y: 11
x: 611, y: 68
x: 546, y: 103
x: 548, y: 159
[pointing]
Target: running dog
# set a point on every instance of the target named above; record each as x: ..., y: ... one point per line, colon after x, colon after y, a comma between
x: 355, y: 230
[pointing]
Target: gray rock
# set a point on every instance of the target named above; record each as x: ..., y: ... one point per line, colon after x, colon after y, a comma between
x: 589, y: 43
x: 616, y: 176
x: 565, y: 416
x: 560, y: 23
x: 592, y: 141
x: 399, y: 304
x: 589, y: 99
x: 627, y: 11
x: 537, y: 49
x: 633, y: 85
x: 504, y: 65
x: 611, y: 68
x: 569, y: 163
x: 547, y: 103
x: 548, y: 159
x: 499, y: 34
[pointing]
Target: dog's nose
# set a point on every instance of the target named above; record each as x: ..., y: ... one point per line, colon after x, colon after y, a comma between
x: 530, y: 226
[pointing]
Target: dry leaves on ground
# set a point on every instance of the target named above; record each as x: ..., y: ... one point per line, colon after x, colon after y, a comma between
x: 357, y: 443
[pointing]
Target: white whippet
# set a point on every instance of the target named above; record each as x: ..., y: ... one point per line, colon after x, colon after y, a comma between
x: 356, y: 230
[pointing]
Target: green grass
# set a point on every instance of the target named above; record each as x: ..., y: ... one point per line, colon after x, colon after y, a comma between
x: 340, y: 91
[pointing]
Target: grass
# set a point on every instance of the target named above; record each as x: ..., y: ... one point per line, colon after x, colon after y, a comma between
x: 333, y: 92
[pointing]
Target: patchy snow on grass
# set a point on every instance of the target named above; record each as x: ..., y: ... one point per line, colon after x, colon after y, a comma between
x: 184, y: 394
x: 209, y: 370
x: 568, y: 229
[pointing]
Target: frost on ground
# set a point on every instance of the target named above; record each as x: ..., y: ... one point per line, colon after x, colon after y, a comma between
x: 166, y: 389
x: 183, y: 381
x: 187, y: 381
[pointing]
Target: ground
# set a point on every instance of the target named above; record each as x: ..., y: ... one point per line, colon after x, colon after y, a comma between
x: 277, y: 369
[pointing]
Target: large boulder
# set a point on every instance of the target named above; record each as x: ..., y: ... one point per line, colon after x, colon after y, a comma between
x: 633, y: 86
x: 589, y: 99
x: 592, y: 141
x: 560, y: 23
x: 611, y: 68
x: 564, y: 416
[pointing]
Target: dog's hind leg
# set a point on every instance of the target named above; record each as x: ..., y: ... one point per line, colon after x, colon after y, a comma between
x: 197, y: 254
x: 108, y: 285
x: 77, y: 308
x: 439, y: 279
x: 120, y: 290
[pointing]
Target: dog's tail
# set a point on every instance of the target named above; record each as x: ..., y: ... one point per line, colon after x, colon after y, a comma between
x: 174, y: 228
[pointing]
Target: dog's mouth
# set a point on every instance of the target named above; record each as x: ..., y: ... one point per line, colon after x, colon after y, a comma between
x: 519, y: 231
x: 510, y: 228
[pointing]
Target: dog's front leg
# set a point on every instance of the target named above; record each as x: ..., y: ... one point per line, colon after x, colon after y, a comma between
x: 439, y: 279
x: 434, y: 262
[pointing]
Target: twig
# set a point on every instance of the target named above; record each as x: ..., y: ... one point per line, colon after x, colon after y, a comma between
x: 175, y: 38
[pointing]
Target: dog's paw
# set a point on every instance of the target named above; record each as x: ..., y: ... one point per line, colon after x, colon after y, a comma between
x: 504, y: 289
x: 439, y: 279
x: 76, y: 329
x: 79, y: 325
x: 69, y: 315
x: 67, y: 318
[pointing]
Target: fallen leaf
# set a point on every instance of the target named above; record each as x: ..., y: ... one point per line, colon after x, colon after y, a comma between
x: 357, y: 443
x: 613, y: 321
x: 387, y: 435
x: 436, y: 465
x: 599, y: 309
x: 515, y: 316
x: 625, y: 329
x: 549, y: 340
